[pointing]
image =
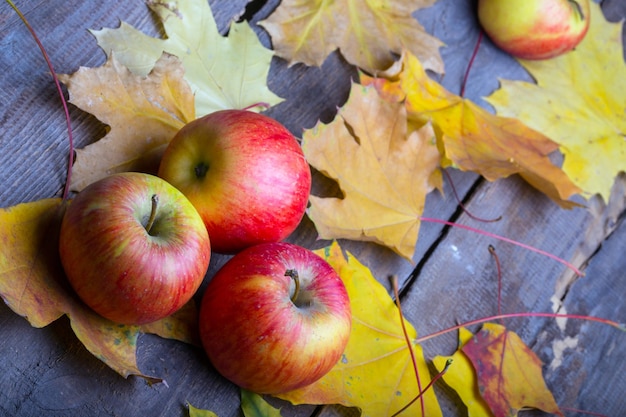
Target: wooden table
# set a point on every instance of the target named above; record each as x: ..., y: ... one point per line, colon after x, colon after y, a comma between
x: 47, y: 372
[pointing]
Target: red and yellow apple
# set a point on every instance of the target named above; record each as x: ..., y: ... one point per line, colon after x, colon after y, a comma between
x: 535, y: 29
x: 134, y: 248
x: 274, y: 318
x: 245, y: 174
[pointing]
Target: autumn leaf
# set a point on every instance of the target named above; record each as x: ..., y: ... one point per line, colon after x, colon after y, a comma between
x: 197, y: 412
x: 143, y: 112
x: 375, y: 373
x: 578, y: 101
x: 223, y: 72
x: 509, y: 373
x: 253, y: 405
x: 369, y: 139
x: 367, y: 33
x: 33, y: 285
x: 462, y: 378
x: 473, y: 139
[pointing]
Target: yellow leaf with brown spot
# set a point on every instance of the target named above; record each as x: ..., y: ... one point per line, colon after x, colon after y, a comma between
x: 473, y: 139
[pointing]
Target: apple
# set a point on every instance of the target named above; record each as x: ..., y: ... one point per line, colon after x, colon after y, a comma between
x: 274, y: 318
x: 134, y: 248
x: 535, y: 29
x: 245, y: 174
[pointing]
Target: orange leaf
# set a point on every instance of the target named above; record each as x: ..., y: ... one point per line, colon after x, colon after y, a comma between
x: 367, y: 33
x: 144, y: 113
x: 509, y: 373
x: 473, y: 139
x: 33, y: 285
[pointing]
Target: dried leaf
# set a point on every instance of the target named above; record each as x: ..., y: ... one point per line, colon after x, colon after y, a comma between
x: 224, y: 73
x: 33, y: 285
x: 375, y: 372
x: 462, y: 378
x: 578, y: 102
x: 509, y: 373
x: 383, y: 170
x: 473, y: 139
x: 367, y: 33
x: 144, y: 114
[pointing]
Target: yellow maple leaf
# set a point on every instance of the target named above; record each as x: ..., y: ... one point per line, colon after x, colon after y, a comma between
x: 375, y: 373
x: 471, y: 138
x: 143, y: 112
x: 33, y: 285
x: 224, y: 72
x: 366, y: 32
x: 461, y: 377
x: 383, y: 170
x: 578, y: 101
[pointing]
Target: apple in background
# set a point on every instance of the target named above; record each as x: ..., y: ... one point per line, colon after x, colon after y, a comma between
x: 245, y: 174
x: 133, y: 248
x: 274, y: 318
x: 535, y: 29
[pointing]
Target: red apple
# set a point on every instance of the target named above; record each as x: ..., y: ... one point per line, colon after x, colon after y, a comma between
x: 535, y: 29
x: 274, y: 318
x: 133, y: 248
x: 245, y: 174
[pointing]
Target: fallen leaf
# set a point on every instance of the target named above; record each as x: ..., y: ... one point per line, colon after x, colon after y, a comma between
x: 578, y: 101
x: 375, y: 373
x: 143, y: 112
x: 197, y: 412
x: 462, y: 378
x: 383, y: 170
x: 473, y: 139
x: 223, y: 72
x: 368, y: 34
x: 253, y: 405
x: 33, y: 285
x: 509, y: 373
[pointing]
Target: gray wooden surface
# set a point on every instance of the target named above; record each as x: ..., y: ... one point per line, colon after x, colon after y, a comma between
x: 47, y: 372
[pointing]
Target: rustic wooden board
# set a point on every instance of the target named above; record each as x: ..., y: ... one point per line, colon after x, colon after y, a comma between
x: 48, y: 372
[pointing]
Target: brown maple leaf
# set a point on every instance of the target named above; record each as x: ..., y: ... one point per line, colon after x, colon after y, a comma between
x: 143, y: 113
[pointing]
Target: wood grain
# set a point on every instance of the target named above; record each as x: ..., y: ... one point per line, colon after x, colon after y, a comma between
x: 452, y: 278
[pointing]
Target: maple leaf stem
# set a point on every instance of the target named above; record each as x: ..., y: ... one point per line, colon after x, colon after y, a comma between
x: 394, y: 284
x: 70, y: 135
x: 430, y: 384
x: 504, y: 239
x: 471, y: 62
x: 611, y: 323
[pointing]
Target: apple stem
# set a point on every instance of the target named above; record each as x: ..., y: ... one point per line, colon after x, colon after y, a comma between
x: 578, y: 9
x: 155, y: 203
x: 296, y: 280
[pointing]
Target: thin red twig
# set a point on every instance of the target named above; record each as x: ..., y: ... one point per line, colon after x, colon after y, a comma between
x: 62, y: 97
x: 504, y: 239
x: 469, y: 66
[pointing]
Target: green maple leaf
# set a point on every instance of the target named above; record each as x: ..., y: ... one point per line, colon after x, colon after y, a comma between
x: 223, y: 72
